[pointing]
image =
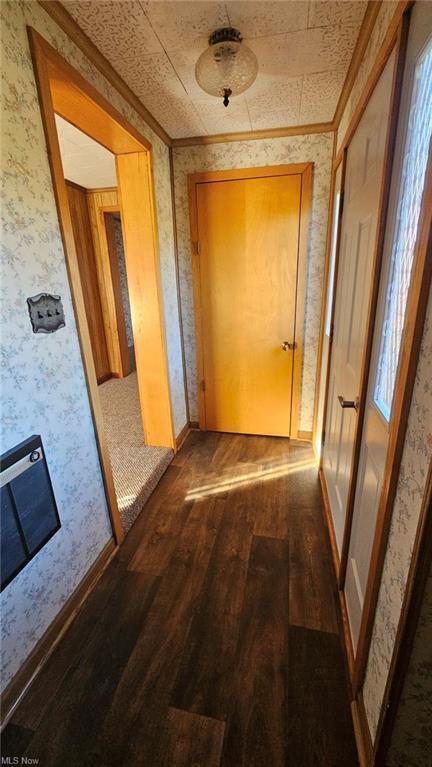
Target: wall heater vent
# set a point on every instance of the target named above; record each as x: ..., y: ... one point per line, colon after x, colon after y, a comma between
x: 29, y: 516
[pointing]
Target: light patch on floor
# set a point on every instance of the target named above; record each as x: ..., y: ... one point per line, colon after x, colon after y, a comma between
x: 136, y: 467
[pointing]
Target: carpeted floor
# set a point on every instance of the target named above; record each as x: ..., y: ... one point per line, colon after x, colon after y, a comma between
x: 136, y: 467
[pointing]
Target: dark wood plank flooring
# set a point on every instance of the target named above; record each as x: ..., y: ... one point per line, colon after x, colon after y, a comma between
x: 212, y: 638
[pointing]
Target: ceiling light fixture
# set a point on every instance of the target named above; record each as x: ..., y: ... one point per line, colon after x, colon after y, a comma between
x: 227, y: 67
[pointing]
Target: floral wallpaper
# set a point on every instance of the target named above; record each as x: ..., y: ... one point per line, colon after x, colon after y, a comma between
x: 43, y: 386
x: 412, y: 734
x: 316, y: 148
x: 384, y: 17
x: 416, y: 458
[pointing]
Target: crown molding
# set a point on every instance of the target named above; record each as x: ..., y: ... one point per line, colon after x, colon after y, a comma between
x: 62, y: 17
x: 254, y: 135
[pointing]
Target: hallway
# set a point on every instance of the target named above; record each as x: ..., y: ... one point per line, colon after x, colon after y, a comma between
x: 212, y: 637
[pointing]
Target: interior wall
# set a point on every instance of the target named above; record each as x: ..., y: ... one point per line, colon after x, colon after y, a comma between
x: 416, y: 457
x: 43, y: 385
x: 316, y: 148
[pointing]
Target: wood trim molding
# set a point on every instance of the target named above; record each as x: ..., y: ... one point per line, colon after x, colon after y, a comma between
x: 99, y: 202
x: 306, y: 172
x: 362, y: 731
x: 254, y: 135
x: 421, y: 562
x: 108, y: 229
x: 60, y: 15
x: 305, y: 436
x: 305, y: 217
x: 31, y: 667
x: 231, y: 174
x: 404, y: 385
x: 389, y: 42
x: 366, y: 28
x: 373, y: 298
x: 182, y: 437
x: 140, y: 237
x: 329, y: 522
x: 40, y: 51
x: 80, y: 103
x: 76, y: 186
x: 102, y: 190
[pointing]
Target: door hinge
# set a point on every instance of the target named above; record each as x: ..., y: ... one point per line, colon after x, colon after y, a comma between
x: 331, y: 334
x: 323, y: 438
x: 198, y: 247
x: 203, y: 385
x: 341, y: 202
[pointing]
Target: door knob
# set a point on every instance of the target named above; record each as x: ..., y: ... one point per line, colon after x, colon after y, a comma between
x: 286, y: 345
x: 348, y: 403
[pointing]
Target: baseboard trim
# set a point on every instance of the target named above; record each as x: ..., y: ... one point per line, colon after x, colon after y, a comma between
x: 362, y: 732
x: 194, y: 425
x: 31, y: 667
x: 305, y: 435
x: 181, y: 438
x: 329, y: 523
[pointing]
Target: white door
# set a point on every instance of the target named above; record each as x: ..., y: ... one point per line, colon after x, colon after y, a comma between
x: 363, y: 177
x: 414, y: 133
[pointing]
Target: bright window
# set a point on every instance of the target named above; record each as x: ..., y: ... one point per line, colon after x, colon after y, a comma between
x: 405, y: 231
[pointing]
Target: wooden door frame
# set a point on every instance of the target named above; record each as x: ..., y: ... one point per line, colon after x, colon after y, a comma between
x: 109, y: 280
x: 305, y: 170
x: 64, y: 91
x: 109, y: 234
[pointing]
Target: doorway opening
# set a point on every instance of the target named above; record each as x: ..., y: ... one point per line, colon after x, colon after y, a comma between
x: 91, y: 183
x: 109, y: 234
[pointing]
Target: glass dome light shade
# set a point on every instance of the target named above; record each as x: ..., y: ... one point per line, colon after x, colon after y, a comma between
x: 226, y: 66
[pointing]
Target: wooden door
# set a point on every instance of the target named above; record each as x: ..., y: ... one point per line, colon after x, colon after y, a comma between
x: 412, y: 149
x: 248, y: 233
x: 89, y: 279
x: 363, y: 180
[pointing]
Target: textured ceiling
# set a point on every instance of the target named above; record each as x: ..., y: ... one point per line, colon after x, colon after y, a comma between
x: 84, y: 161
x: 303, y: 49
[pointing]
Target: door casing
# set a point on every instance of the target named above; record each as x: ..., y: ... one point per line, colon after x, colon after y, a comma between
x: 306, y: 172
x: 64, y: 91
